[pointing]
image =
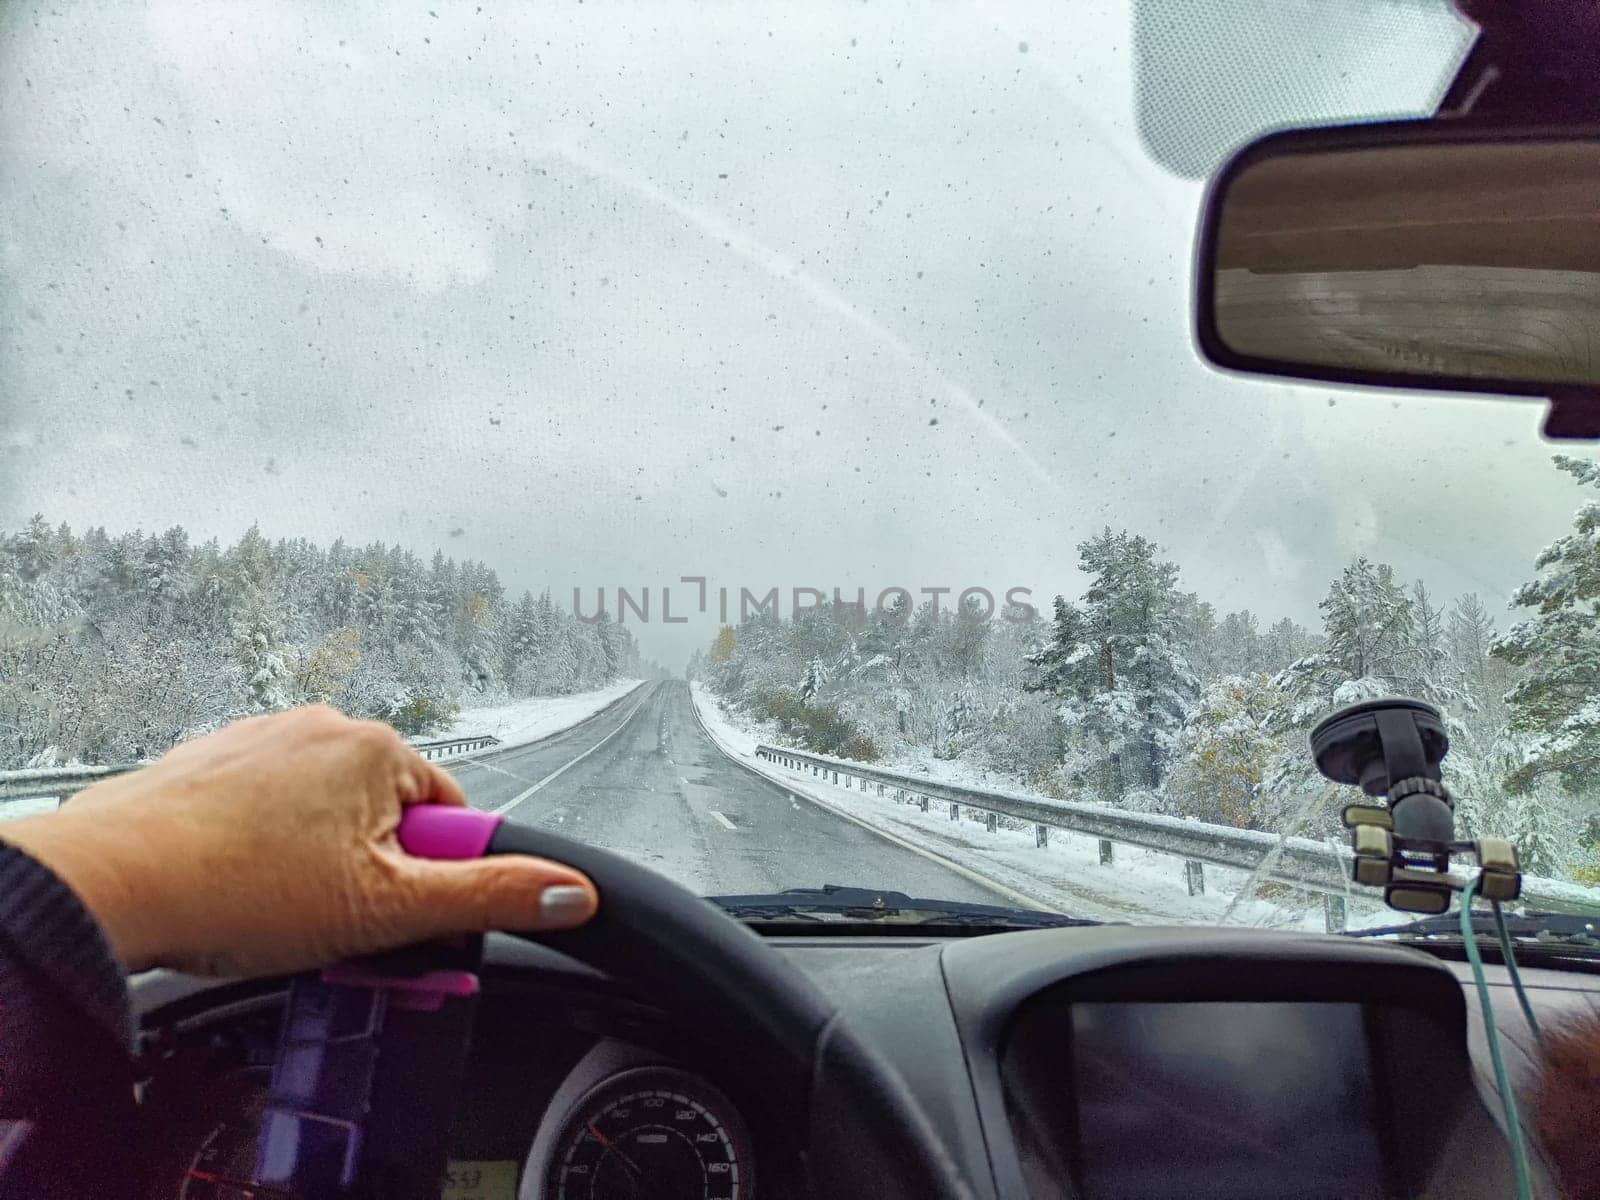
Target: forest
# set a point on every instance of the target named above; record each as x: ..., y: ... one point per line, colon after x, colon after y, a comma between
x: 1141, y: 695
x: 114, y: 648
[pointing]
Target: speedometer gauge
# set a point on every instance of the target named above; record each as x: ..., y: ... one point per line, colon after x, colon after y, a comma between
x: 652, y: 1132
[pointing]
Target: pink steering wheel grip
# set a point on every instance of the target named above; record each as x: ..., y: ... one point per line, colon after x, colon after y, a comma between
x: 446, y: 832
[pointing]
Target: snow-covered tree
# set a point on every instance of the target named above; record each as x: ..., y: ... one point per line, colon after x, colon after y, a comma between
x: 969, y: 630
x: 164, y: 573
x: 1367, y: 648
x: 811, y: 682
x: 1230, y: 746
x: 1062, y: 666
x: 1471, y: 634
x: 1480, y: 679
x: 1432, y: 671
x: 1122, y: 677
x: 1238, y: 646
x: 1543, y: 821
x: 33, y: 551
x: 956, y: 722
x: 113, y: 647
x: 1197, y: 632
x: 258, y: 644
x: 1285, y: 643
x: 524, y: 645
x: 1368, y: 622
x: 1557, y: 703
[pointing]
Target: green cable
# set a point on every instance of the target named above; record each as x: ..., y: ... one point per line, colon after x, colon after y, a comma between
x: 1511, y: 969
x: 1519, y: 1151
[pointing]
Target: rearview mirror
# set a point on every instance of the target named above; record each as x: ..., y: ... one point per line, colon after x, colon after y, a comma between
x: 1414, y: 254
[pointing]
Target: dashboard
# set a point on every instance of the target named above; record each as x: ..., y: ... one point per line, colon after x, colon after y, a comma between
x: 572, y: 1090
x: 1093, y: 1063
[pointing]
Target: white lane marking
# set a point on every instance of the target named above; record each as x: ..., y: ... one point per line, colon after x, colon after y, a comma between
x: 483, y: 766
x: 726, y: 824
x: 562, y: 770
x: 471, y: 759
x: 1020, y: 899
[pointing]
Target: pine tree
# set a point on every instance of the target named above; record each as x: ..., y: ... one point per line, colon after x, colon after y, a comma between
x: 554, y: 669
x: 377, y: 606
x: 524, y: 644
x: 248, y: 566
x: 34, y: 549
x: 1557, y: 704
x: 1062, y: 667
x: 1369, y: 621
x: 1123, y: 678
x: 957, y: 720
x: 589, y: 659
x: 617, y: 645
x: 883, y: 636
x: 1368, y: 650
x: 1433, y: 673
x: 258, y: 644
x: 1483, y: 679
x: 164, y: 571
x: 417, y: 620
x: 1239, y: 650
x: 1471, y: 634
x: 811, y: 682
x: 1198, y: 632
x: 1285, y: 644
x: 969, y: 630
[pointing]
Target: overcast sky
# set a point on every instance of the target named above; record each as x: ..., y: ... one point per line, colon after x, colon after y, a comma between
x: 852, y: 295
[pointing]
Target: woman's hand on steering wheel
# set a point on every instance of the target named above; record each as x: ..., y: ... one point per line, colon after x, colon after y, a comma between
x: 270, y: 846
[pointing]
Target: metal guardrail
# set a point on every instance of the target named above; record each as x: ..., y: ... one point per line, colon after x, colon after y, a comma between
x: 1301, y: 863
x: 450, y: 747
x: 56, y: 781
x: 62, y: 782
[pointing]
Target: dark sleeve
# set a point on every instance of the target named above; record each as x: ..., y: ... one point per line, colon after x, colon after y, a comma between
x: 68, y: 1127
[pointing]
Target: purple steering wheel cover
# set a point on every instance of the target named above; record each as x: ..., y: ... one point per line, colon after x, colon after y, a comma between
x: 444, y: 831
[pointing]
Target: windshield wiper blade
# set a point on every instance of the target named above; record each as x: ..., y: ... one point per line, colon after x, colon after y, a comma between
x: 1537, y: 926
x: 766, y: 912
x: 1018, y: 918
x: 834, y: 903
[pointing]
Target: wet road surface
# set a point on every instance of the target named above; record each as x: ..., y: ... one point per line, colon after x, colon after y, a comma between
x: 643, y: 779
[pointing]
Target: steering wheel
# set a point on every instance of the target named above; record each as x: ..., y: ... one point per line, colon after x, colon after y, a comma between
x: 865, y: 1133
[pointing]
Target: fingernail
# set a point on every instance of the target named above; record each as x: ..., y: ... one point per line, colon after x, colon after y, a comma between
x: 565, y: 905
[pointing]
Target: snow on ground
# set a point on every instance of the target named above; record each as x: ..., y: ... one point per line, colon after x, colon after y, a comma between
x: 536, y: 717
x: 731, y: 735
x: 1142, y: 886
x: 10, y: 810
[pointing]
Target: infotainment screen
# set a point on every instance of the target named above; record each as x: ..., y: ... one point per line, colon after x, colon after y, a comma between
x: 1236, y: 1100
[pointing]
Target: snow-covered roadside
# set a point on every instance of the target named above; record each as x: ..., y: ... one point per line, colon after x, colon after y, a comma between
x: 11, y: 810
x: 535, y: 717
x: 515, y: 724
x: 1142, y: 886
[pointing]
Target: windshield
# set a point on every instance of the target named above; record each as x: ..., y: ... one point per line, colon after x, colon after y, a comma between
x: 659, y: 393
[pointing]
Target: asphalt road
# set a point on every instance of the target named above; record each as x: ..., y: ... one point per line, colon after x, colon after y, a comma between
x: 651, y: 785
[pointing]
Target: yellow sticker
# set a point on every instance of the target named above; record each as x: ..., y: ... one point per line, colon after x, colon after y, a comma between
x: 466, y: 1179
